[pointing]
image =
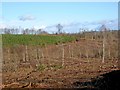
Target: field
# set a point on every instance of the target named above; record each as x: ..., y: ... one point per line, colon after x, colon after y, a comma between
x: 57, y: 61
x: 41, y: 40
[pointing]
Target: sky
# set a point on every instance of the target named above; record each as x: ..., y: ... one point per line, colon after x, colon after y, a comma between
x: 44, y: 14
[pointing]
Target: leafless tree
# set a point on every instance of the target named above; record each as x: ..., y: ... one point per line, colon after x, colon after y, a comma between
x: 59, y: 27
x: 39, y: 31
x: 26, y: 31
x: 6, y: 31
x: 69, y: 50
x: 103, y: 29
x: 63, y: 55
x: 26, y: 52
x: 10, y: 31
x: 16, y: 31
x: 32, y: 31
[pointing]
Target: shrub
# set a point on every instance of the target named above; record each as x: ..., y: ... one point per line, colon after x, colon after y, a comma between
x: 41, y: 67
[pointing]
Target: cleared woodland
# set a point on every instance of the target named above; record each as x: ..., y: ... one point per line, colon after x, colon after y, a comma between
x: 58, y: 60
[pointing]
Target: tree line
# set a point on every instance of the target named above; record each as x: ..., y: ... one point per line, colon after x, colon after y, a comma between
x: 23, y: 31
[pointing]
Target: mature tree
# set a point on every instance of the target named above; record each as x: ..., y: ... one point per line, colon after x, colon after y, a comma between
x: 26, y: 31
x: 16, y: 31
x: 12, y: 31
x: 59, y: 27
x: 8, y: 31
x: 32, y: 31
x: 39, y: 31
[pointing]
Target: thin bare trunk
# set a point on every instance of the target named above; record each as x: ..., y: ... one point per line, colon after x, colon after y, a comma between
x: 37, y: 57
x: 103, y: 59
x: 69, y: 51
x: 42, y: 56
x: 103, y: 29
x: 15, y: 61
x: 99, y: 53
x: 1, y: 58
x: 109, y: 52
x: 46, y: 51
x: 63, y: 55
x: 8, y: 54
x: 80, y: 52
x: 26, y: 53
x: 86, y: 49
x: 95, y: 35
x: 23, y: 57
x: 84, y: 34
x: 72, y: 52
x: 39, y: 54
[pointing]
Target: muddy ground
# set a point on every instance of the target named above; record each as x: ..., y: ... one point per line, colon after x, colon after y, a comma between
x: 55, y: 70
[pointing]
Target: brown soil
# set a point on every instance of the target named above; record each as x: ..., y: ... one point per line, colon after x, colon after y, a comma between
x: 53, y: 75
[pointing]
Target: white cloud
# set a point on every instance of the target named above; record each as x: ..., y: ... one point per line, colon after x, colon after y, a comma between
x: 40, y: 27
x: 67, y: 27
x: 18, y: 23
x: 26, y: 18
x: 2, y: 25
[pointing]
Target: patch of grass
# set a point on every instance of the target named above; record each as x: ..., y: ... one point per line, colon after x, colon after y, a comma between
x: 41, y: 67
x: 56, y: 66
x: 42, y: 40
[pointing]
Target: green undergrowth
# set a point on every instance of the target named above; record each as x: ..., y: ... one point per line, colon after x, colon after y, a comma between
x: 42, y: 40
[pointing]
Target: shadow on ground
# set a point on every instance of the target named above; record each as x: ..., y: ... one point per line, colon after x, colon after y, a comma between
x: 108, y: 81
